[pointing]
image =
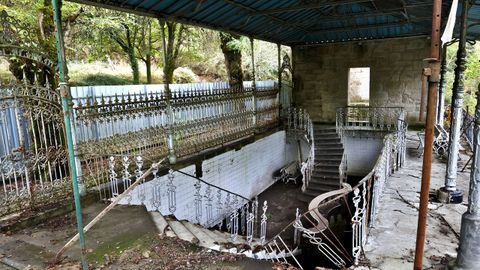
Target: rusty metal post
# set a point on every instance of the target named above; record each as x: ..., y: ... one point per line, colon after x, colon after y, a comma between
x: 429, y: 133
x: 423, y: 96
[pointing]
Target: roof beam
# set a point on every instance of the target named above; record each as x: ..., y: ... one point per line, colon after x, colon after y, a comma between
x: 307, y: 6
x: 252, y: 11
x: 369, y: 26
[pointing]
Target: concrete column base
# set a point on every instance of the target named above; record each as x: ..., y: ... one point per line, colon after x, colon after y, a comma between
x: 172, y: 158
x: 469, y: 250
x: 449, y: 196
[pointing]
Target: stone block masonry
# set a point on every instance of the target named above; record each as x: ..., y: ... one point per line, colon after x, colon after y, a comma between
x: 321, y: 74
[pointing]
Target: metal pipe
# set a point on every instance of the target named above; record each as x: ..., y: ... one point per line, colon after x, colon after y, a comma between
x: 429, y: 134
x: 254, y: 85
x: 172, y: 158
x: 280, y: 93
x: 422, y: 96
x: 66, y: 97
x: 469, y: 249
x: 450, y: 188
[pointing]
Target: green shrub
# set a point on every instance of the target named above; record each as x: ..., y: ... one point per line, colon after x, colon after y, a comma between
x: 100, y: 79
x: 184, y: 75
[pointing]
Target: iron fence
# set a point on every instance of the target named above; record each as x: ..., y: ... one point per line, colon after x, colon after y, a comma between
x: 123, y: 120
x: 33, y: 159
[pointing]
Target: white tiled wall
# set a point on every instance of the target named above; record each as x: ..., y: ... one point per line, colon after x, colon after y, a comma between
x: 247, y: 172
x: 362, y: 153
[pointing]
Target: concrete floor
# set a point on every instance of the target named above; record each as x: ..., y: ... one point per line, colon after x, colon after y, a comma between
x: 391, y: 244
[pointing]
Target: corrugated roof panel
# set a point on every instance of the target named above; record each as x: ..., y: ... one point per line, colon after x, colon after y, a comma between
x: 294, y: 22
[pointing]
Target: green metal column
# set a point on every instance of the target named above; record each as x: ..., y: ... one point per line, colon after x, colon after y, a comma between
x: 66, y: 97
x: 172, y: 157
x: 254, y: 86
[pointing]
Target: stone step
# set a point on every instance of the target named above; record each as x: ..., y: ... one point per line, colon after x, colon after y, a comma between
x: 204, y: 239
x: 328, y: 139
x: 330, y: 167
x: 321, y: 129
x: 328, y: 149
x: 161, y: 224
x: 181, y: 231
x: 328, y: 154
x: 328, y: 159
x: 328, y: 144
x: 219, y: 239
x: 325, y: 135
x: 327, y: 185
x: 328, y: 162
x: 333, y: 170
x: 223, y: 235
x: 325, y: 175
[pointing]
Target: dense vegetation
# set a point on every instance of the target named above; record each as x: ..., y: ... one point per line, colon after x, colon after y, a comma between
x: 109, y: 47
x: 102, y: 44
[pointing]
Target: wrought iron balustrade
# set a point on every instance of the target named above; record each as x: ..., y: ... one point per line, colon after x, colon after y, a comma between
x: 298, y: 121
x: 204, y: 115
x: 187, y: 197
x: 374, y: 118
x: 33, y: 160
x: 359, y: 204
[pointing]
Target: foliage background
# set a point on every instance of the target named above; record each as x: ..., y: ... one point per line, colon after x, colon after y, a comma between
x: 95, y: 58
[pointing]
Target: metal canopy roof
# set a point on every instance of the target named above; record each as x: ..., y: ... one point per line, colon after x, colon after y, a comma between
x: 473, y: 28
x: 297, y: 22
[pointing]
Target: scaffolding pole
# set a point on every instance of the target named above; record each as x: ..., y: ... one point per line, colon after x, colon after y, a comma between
x: 66, y: 101
x: 429, y: 133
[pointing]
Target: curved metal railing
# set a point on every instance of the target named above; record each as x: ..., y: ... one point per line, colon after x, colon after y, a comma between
x: 361, y: 203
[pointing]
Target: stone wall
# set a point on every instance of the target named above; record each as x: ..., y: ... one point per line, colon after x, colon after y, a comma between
x: 321, y: 74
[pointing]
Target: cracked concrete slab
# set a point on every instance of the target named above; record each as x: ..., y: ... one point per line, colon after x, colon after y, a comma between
x: 391, y: 244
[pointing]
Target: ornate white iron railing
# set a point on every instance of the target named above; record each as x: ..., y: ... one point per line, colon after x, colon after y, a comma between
x: 187, y: 197
x: 298, y: 122
x: 362, y: 117
x: 313, y: 225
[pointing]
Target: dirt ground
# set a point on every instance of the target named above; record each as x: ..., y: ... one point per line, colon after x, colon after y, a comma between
x: 124, y: 239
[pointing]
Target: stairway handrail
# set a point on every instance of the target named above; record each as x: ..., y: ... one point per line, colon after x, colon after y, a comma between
x: 325, y: 202
x: 212, y: 185
x: 372, y: 184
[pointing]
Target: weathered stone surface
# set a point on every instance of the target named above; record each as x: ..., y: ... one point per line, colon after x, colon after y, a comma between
x: 321, y: 74
x: 391, y: 244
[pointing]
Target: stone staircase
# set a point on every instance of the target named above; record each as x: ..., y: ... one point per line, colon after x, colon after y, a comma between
x: 214, y: 239
x: 328, y: 158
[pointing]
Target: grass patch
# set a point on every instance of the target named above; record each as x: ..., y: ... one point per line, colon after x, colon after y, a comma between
x: 118, y: 245
x: 5, y: 75
x: 99, y: 79
x: 101, y: 73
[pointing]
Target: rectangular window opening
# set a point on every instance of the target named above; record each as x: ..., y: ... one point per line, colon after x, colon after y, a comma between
x: 359, y: 86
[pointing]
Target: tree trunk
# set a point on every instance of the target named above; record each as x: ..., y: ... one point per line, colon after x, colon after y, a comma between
x: 148, y: 65
x: 134, y: 65
x: 233, y: 60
